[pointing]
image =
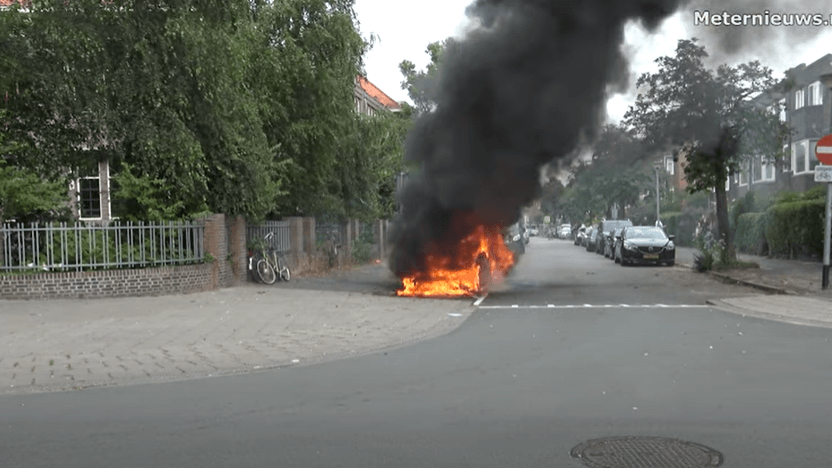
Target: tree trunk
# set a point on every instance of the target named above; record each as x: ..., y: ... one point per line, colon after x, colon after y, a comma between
x: 729, y: 253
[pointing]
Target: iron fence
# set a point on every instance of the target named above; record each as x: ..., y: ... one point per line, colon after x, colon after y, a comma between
x: 80, y: 247
x: 282, y: 240
x: 328, y: 232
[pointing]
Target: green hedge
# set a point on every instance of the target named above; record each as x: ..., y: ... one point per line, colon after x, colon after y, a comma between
x: 682, y: 225
x: 796, y: 227
x: 750, y: 236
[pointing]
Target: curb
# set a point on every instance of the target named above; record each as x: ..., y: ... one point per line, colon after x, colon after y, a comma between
x: 729, y: 279
x: 766, y: 316
x: 763, y: 287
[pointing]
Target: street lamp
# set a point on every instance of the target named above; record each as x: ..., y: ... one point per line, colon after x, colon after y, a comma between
x: 657, y: 165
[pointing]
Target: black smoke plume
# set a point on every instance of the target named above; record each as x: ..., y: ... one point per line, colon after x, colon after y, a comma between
x: 730, y: 43
x: 516, y: 93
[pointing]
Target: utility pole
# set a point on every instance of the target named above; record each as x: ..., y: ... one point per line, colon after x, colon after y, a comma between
x: 656, y: 166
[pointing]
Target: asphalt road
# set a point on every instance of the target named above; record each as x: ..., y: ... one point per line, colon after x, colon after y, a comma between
x: 590, y: 350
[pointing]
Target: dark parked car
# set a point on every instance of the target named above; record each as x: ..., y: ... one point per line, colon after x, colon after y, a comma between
x: 645, y: 244
x: 607, y: 227
x: 592, y: 240
x: 609, y: 245
x: 580, y: 234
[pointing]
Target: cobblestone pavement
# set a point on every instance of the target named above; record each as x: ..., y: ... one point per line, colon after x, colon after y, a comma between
x: 72, y: 344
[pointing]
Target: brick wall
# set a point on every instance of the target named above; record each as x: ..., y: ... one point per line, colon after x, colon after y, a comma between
x: 112, y: 283
x: 225, y: 243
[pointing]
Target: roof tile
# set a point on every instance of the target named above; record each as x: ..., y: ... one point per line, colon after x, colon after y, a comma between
x: 377, y: 94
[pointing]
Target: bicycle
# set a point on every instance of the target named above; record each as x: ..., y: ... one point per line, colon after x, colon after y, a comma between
x: 270, y: 264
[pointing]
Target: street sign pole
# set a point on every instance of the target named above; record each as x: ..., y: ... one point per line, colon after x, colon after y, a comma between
x: 827, y: 237
x: 823, y: 173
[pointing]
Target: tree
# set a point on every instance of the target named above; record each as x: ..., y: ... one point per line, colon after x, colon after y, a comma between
x: 304, y: 78
x: 421, y: 84
x: 616, y: 174
x: 712, y: 117
x: 238, y: 106
x: 372, y: 156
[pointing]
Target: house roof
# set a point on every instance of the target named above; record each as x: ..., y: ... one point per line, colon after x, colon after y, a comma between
x: 8, y: 3
x: 377, y: 94
x: 804, y: 74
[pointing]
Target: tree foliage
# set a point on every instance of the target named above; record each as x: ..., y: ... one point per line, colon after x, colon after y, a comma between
x: 421, y: 84
x: 710, y: 116
x: 615, y: 175
x: 240, y: 106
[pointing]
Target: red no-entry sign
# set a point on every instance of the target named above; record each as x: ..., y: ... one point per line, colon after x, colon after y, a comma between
x: 823, y: 151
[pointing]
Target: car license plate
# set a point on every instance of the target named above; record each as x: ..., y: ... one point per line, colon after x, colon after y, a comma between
x: 650, y: 256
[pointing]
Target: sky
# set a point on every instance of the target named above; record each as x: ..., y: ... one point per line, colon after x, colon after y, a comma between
x: 405, y: 27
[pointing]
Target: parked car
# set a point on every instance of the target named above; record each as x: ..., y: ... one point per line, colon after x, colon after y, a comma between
x: 645, y: 244
x: 580, y: 234
x: 588, y: 234
x: 592, y: 240
x: 616, y: 235
x: 609, y: 242
x: 565, y: 232
x: 607, y: 227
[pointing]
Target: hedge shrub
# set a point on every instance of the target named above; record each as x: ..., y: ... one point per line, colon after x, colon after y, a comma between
x: 750, y: 236
x: 795, y: 227
x: 682, y: 225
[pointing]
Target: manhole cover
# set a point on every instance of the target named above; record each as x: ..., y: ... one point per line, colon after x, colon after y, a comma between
x: 645, y: 452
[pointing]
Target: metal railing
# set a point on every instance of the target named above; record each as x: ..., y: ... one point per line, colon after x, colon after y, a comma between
x: 328, y: 232
x: 80, y: 247
x: 282, y: 240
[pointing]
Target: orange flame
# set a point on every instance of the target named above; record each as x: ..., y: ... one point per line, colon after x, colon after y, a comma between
x: 486, y: 256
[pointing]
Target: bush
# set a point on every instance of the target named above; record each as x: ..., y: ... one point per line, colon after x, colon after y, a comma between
x: 682, y: 225
x: 750, y: 235
x: 795, y: 227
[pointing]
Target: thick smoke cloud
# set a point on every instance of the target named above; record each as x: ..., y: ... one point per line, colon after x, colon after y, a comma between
x: 742, y: 43
x: 517, y: 93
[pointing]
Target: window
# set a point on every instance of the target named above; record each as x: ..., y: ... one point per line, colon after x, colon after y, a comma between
x: 815, y: 97
x: 799, y: 158
x: 89, y: 197
x: 786, y: 167
x: 357, y: 105
x: 761, y: 170
x: 783, y: 110
x: 803, y: 156
x: 728, y: 183
x: 669, y: 166
x: 743, y: 175
x: 799, y: 99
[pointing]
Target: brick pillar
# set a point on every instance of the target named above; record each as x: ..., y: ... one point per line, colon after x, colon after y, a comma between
x: 216, y: 246
x: 295, y: 239
x: 237, y: 250
x: 378, y: 236
x: 349, y: 238
x: 309, y: 236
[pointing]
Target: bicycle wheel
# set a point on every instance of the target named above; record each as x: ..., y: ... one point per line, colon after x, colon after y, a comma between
x: 285, y: 275
x: 266, y: 272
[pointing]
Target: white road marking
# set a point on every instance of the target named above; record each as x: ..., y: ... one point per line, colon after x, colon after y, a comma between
x: 590, y: 306
x: 479, y: 300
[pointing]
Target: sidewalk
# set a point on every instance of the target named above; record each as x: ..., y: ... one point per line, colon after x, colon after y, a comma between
x: 793, y: 290
x: 72, y: 344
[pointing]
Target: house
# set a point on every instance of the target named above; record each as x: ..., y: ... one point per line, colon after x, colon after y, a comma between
x: 369, y: 99
x: 805, y: 104
x: 24, y: 4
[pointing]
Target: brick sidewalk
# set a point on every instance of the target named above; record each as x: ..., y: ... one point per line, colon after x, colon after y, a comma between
x: 71, y: 344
